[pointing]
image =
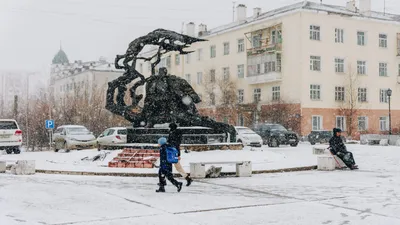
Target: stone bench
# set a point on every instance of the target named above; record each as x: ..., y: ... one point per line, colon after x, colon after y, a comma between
x: 23, y: 167
x: 2, y: 166
x: 243, y: 168
x: 329, y: 162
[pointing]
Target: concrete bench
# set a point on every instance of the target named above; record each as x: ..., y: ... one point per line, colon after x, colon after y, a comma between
x: 2, y: 166
x: 243, y: 168
x: 329, y: 162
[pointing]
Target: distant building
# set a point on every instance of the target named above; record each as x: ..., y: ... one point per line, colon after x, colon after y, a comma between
x: 304, y: 54
x: 67, y: 79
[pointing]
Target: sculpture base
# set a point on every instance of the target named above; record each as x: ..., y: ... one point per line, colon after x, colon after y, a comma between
x: 190, y: 135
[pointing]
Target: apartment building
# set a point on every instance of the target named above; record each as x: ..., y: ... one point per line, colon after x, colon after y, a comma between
x: 80, y: 78
x: 325, y: 60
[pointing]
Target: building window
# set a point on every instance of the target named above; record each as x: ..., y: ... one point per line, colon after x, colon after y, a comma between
x: 213, y: 51
x: 383, y: 98
x: 383, y: 69
x: 258, y: 69
x: 226, y: 48
x: 240, y: 71
x: 225, y: 71
x: 257, y: 95
x: 361, y: 67
x: 212, y: 99
x: 383, y: 40
x: 187, y: 58
x: 383, y: 123
x: 199, y: 78
x: 316, y: 123
x: 269, y: 67
x: 149, y: 66
x: 341, y: 122
x: 256, y: 41
x: 240, y: 96
x: 362, y: 123
x: 168, y: 62
x: 276, y: 93
x: 362, y: 94
x: 361, y: 38
x: 339, y: 65
x: 339, y: 35
x: 241, y: 120
x: 188, y: 78
x: 315, y: 33
x: 240, y: 47
x: 278, y: 62
x: 177, y: 59
x: 315, y: 92
x: 212, y: 76
x: 199, y: 54
x: 398, y: 70
x: 339, y: 94
x: 315, y: 63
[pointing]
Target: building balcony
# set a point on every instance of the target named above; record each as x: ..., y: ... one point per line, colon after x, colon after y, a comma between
x: 270, y: 77
x: 271, y: 48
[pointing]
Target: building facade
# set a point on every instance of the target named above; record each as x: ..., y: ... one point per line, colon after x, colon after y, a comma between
x: 332, y: 64
x: 79, y: 78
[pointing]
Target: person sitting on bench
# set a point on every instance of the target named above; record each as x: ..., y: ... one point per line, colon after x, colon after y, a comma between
x: 337, y: 147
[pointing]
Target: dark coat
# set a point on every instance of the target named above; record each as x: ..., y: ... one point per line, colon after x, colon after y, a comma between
x: 164, y: 164
x: 336, y: 143
x: 175, y: 139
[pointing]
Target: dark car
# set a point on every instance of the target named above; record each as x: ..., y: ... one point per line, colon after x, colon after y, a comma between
x: 275, y: 134
x: 322, y: 136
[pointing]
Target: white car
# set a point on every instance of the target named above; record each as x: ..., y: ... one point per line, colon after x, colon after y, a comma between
x: 10, y: 136
x: 73, y: 137
x: 114, y: 135
x: 248, y: 137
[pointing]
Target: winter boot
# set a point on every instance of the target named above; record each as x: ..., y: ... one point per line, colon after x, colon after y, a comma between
x: 189, y: 181
x: 179, y: 186
x: 354, y: 167
x: 161, y: 189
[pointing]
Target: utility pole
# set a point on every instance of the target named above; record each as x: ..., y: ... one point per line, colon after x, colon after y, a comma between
x: 2, y: 95
x: 27, y: 112
x: 233, y: 11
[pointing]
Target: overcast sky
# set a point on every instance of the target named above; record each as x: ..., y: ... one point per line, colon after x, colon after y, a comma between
x: 31, y: 30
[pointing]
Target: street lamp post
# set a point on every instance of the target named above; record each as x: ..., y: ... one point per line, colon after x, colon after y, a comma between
x: 389, y: 94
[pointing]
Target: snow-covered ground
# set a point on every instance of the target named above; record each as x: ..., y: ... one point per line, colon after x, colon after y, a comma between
x: 262, y: 158
x: 370, y: 195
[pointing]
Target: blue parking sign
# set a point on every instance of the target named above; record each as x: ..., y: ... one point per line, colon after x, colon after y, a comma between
x: 49, y: 124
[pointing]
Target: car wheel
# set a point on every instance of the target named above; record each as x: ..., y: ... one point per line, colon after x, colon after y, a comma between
x: 294, y: 144
x: 98, y: 147
x: 9, y: 151
x: 312, y: 143
x: 17, y: 150
x: 65, y: 147
x: 274, y: 143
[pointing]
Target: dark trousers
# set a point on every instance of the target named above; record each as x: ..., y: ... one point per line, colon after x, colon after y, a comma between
x: 347, y: 158
x: 163, y: 173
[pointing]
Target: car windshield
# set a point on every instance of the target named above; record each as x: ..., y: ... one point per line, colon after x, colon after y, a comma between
x: 245, y: 131
x: 8, y: 125
x: 276, y: 127
x: 122, y: 131
x: 78, y: 130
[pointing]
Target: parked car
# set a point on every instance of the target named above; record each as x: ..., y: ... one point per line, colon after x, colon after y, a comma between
x: 275, y: 134
x: 114, y: 135
x: 248, y: 137
x: 10, y: 136
x: 73, y: 137
x: 322, y: 136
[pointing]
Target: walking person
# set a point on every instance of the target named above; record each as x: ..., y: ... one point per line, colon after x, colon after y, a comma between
x: 175, y: 140
x: 165, y: 170
x: 338, y: 148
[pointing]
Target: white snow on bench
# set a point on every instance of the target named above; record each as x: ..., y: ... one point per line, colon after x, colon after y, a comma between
x: 243, y: 168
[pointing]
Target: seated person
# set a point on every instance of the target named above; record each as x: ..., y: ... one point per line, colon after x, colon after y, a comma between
x: 337, y: 147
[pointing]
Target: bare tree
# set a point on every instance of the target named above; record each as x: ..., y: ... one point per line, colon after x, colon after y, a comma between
x: 210, y: 87
x: 282, y: 112
x: 349, y: 106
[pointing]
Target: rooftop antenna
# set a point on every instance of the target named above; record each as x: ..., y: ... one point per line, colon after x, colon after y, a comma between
x: 233, y: 11
x: 60, y: 45
x: 183, y: 25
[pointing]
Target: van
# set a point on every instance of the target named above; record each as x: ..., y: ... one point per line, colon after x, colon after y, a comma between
x: 10, y: 136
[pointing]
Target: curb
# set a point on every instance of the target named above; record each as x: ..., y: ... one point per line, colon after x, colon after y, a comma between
x: 115, y: 174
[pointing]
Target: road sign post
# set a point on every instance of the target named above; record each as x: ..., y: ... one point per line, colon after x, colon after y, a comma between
x: 50, y: 126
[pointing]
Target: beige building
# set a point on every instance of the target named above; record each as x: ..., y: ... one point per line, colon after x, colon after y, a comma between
x: 78, y: 78
x: 333, y: 63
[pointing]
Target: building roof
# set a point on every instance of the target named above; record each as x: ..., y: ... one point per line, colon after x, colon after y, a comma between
x: 60, y: 57
x: 305, y: 5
